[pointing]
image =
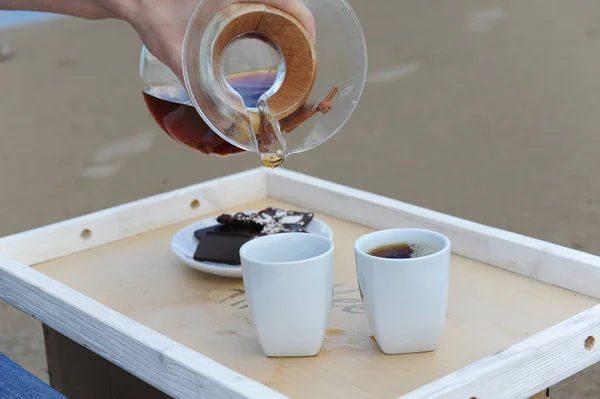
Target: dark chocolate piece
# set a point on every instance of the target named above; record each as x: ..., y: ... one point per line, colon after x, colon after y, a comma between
x: 220, y: 248
x: 221, y: 243
x: 240, y: 219
x: 229, y: 229
x: 269, y: 220
x: 238, y: 228
x: 233, y: 233
x: 203, y: 232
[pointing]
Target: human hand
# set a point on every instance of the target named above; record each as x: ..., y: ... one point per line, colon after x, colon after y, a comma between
x: 161, y: 24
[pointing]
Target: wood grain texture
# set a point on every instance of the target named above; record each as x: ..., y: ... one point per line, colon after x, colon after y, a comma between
x: 543, y: 261
x: 300, y: 60
x: 161, y: 362
x: 489, y: 310
x: 125, y: 296
x: 278, y: 29
x: 527, y: 367
x: 124, y: 221
x: 292, y: 42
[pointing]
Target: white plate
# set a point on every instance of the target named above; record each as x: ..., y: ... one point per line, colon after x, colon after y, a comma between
x: 184, y: 245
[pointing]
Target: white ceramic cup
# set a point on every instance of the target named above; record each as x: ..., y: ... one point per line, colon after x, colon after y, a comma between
x: 404, y: 299
x: 288, y: 279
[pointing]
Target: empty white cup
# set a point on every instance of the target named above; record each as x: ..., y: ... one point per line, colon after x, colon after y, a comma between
x: 288, y: 279
x: 405, y: 299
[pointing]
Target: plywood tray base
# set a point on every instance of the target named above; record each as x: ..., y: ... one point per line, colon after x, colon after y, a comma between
x: 489, y: 310
x: 523, y: 314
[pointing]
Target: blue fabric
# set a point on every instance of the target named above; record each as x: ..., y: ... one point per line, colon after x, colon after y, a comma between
x: 17, y: 383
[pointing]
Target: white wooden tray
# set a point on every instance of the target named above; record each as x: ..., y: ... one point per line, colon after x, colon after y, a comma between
x: 523, y: 314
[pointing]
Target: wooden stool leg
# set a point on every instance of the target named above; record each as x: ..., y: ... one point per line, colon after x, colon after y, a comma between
x: 542, y: 395
x: 79, y: 373
x: 75, y: 371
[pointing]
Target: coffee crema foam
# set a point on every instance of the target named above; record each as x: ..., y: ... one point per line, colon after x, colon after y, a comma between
x: 420, y: 249
x: 405, y: 250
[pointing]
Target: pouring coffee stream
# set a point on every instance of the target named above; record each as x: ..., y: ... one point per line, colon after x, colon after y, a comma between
x: 271, y: 146
x: 275, y: 110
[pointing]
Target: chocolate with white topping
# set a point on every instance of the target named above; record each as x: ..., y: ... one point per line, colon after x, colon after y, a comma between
x: 221, y: 243
x: 270, y: 220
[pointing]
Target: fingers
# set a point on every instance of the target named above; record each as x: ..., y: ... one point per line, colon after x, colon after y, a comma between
x: 162, y: 32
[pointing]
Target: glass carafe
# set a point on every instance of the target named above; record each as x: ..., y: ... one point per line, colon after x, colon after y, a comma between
x: 256, y: 80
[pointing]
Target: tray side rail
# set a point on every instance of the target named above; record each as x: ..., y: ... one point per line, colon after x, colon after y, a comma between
x: 552, y: 264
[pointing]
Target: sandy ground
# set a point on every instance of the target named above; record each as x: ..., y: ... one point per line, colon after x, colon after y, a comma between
x: 486, y: 110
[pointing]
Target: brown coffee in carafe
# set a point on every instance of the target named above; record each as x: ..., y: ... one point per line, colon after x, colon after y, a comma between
x: 184, y: 124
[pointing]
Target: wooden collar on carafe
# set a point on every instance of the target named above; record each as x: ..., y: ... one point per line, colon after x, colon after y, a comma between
x: 293, y: 42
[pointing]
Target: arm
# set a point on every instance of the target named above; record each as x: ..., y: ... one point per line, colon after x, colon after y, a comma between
x: 160, y: 24
x: 88, y: 9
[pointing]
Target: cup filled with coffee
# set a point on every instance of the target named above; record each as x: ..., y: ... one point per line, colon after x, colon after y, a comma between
x: 403, y: 276
x: 288, y: 279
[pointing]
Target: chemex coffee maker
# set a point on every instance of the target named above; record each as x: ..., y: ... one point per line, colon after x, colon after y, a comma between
x: 255, y: 79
